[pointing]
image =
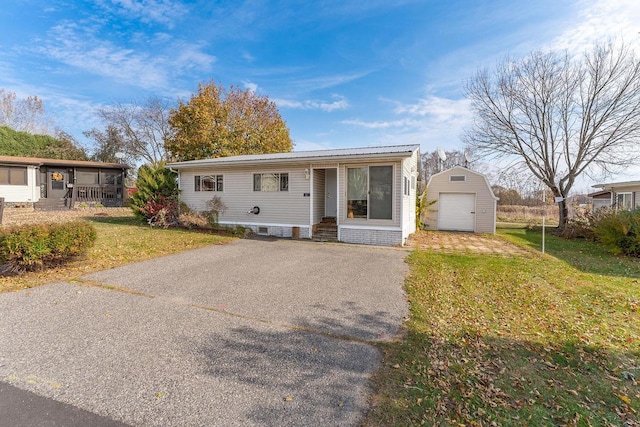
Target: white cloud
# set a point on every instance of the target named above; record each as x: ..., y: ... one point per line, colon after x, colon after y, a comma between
x: 250, y: 86
x: 77, y: 46
x: 431, y: 121
x: 165, y: 12
x: 601, y: 19
x: 339, y: 103
x: 401, y: 123
x: 248, y: 57
x: 325, y: 82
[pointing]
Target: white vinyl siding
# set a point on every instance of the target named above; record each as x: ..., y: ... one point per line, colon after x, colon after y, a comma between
x: 278, y: 207
x: 409, y: 169
x: 22, y: 193
x: 304, y: 204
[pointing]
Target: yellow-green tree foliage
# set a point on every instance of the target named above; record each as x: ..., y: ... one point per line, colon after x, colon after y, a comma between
x: 219, y: 122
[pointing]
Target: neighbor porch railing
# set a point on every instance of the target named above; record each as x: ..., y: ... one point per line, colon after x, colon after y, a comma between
x: 97, y: 193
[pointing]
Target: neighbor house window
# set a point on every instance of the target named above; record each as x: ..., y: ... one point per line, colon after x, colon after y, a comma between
x: 624, y: 201
x: 370, y: 192
x: 87, y: 177
x: 270, y: 182
x: 10, y: 175
x: 457, y: 178
x: 111, y: 177
x: 208, y: 183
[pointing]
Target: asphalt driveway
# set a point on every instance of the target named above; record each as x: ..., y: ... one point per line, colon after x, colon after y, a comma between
x: 250, y: 333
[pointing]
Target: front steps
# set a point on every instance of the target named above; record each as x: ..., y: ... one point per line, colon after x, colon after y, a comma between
x: 326, y: 230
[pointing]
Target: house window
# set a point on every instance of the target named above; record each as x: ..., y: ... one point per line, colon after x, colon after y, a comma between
x: 457, y: 178
x: 208, y: 183
x: 370, y: 192
x: 407, y: 187
x: 623, y: 201
x: 10, y: 175
x: 270, y: 182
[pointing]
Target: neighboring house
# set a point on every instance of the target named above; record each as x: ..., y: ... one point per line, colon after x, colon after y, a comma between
x: 617, y: 195
x: 59, y: 184
x: 463, y: 201
x: 360, y: 195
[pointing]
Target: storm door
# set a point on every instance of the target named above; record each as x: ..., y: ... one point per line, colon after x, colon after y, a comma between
x: 57, y: 180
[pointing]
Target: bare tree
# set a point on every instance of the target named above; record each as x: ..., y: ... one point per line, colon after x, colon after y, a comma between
x: 25, y: 115
x: 108, y: 144
x: 561, y: 116
x: 431, y: 163
x: 144, y: 128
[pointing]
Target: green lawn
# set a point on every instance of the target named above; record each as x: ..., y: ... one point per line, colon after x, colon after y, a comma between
x: 538, y: 340
x: 120, y: 240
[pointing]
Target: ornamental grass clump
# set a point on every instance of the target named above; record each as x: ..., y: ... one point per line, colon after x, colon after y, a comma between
x: 36, y: 246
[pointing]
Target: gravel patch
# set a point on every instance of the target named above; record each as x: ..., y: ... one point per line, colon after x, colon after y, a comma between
x: 466, y: 243
x: 21, y: 216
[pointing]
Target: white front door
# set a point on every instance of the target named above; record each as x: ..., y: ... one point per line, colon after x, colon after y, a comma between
x: 331, y: 193
x: 456, y: 211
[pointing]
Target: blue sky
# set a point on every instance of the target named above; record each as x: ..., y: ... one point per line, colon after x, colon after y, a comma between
x: 343, y: 73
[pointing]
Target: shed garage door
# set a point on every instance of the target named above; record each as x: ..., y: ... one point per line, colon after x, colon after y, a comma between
x: 456, y: 211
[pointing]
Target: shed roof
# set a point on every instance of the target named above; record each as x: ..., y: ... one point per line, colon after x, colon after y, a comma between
x: 394, y: 151
x: 39, y: 161
x: 462, y: 169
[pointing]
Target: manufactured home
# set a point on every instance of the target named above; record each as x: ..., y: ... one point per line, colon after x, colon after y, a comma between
x: 460, y: 199
x: 617, y: 195
x: 59, y: 184
x: 359, y: 195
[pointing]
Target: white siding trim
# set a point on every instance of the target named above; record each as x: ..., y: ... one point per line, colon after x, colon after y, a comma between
x: 261, y: 224
x: 370, y: 227
x: 311, y: 176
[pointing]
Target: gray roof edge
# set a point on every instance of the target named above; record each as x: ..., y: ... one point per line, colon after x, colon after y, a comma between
x: 616, y: 184
x: 301, y: 156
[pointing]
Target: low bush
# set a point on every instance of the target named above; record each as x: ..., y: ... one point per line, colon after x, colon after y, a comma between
x: 620, y: 231
x: 190, y: 219
x: 161, y: 212
x: 216, y: 208
x: 33, y: 247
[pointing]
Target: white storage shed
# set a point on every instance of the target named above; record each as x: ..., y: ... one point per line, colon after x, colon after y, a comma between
x: 464, y: 201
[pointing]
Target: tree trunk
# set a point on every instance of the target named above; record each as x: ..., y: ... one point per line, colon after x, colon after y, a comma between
x: 563, y: 211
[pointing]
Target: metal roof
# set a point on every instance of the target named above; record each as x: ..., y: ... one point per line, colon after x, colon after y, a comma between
x: 39, y: 161
x: 611, y: 185
x: 297, y: 156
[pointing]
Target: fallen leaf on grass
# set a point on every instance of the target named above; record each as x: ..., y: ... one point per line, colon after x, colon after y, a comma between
x: 624, y: 398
